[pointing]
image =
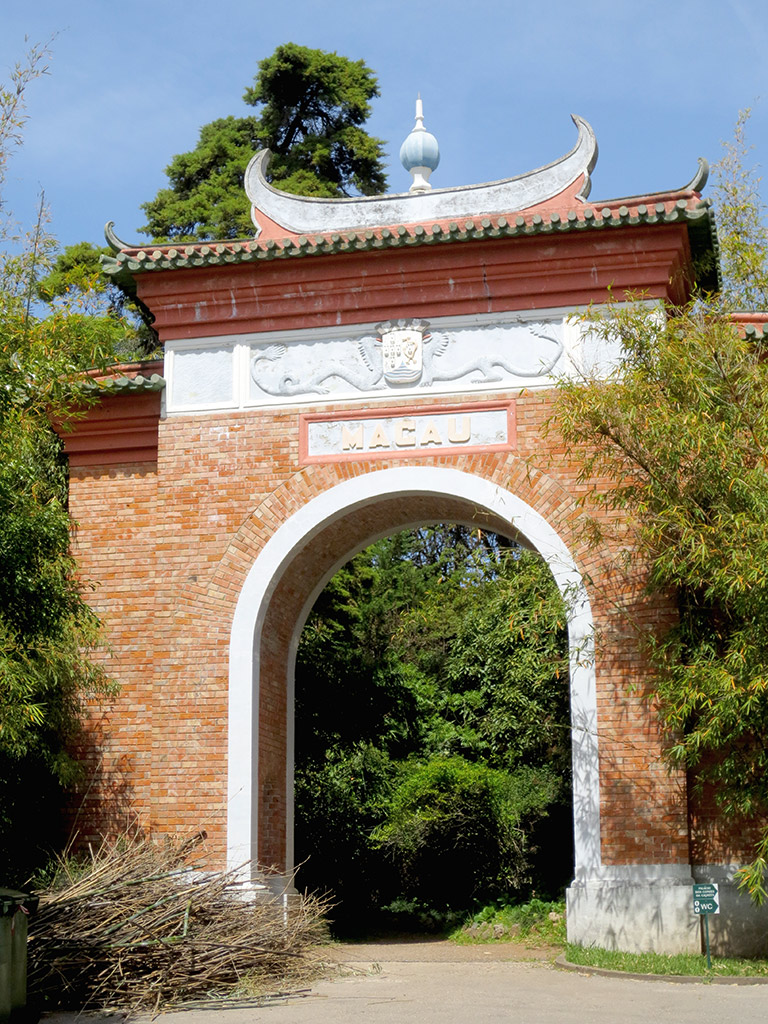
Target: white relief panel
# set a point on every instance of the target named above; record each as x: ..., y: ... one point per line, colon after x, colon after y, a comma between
x: 453, y: 358
x: 448, y: 355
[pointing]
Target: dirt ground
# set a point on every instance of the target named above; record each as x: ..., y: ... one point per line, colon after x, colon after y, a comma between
x: 425, y: 949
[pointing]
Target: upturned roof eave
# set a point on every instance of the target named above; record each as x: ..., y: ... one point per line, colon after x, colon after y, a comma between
x: 658, y: 209
x: 127, y: 378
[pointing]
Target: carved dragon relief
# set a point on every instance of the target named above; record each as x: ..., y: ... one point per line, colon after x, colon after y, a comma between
x: 276, y: 372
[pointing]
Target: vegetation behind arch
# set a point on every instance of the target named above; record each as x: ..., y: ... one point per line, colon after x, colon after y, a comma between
x: 432, y: 727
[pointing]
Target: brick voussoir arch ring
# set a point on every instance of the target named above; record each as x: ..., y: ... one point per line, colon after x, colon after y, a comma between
x: 538, y: 489
x: 294, y: 542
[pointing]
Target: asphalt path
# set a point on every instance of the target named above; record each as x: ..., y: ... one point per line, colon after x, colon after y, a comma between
x: 391, y: 985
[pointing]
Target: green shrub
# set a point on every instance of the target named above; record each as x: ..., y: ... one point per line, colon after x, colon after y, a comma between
x: 338, y: 804
x: 537, y: 920
x: 457, y: 831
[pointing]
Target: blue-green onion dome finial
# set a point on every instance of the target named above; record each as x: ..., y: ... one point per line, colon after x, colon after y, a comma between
x: 420, y: 154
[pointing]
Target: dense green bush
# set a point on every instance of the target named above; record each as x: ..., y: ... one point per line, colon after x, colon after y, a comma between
x: 458, y: 832
x: 339, y: 802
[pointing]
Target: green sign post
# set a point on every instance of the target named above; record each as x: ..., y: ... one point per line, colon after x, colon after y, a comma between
x: 706, y: 901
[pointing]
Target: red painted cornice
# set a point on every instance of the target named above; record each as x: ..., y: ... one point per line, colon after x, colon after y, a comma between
x: 123, y: 426
x: 473, y: 277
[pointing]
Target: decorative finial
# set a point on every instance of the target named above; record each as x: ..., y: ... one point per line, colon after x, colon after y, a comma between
x: 419, y: 126
x: 420, y: 154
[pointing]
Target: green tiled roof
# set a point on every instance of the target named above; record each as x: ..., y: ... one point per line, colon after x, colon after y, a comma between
x: 124, y: 385
x: 757, y: 332
x: 695, y: 212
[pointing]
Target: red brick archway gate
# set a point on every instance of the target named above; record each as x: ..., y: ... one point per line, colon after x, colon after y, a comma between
x: 323, y: 388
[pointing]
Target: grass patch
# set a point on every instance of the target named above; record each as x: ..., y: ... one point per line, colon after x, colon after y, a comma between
x: 537, y: 921
x: 659, y: 963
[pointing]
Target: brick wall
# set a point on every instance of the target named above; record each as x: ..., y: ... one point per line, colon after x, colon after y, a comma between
x: 170, y: 537
x: 169, y: 546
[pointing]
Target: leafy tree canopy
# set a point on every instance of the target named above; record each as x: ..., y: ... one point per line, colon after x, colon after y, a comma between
x: 313, y: 106
x: 74, y: 275
x: 682, y: 427
x: 47, y: 631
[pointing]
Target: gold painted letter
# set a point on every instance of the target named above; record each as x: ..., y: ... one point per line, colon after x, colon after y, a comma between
x: 404, y: 433
x: 351, y: 437
x: 460, y: 435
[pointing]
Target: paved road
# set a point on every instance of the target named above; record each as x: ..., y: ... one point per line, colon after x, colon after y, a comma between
x: 395, y: 989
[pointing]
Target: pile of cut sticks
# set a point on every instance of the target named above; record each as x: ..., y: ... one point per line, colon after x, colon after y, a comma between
x: 140, y: 925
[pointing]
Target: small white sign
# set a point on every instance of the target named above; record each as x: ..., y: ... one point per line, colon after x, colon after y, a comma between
x: 411, y: 433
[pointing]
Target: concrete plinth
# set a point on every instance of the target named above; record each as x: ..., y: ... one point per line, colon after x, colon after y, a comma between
x: 649, y: 909
x: 635, y: 909
x: 741, y: 927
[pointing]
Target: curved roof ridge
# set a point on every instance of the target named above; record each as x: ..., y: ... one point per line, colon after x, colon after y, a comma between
x: 293, y: 214
x: 667, y: 207
x: 694, y: 186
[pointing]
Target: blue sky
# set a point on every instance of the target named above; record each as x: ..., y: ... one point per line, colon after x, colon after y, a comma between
x: 130, y: 84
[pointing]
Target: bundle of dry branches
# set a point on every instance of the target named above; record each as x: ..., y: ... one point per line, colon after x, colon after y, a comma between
x: 139, y: 925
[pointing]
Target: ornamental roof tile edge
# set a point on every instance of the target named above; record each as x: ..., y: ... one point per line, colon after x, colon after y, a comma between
x: 125, y: 385
x: 662, y: 208
x: 121, y: 379
x: 752, y: 325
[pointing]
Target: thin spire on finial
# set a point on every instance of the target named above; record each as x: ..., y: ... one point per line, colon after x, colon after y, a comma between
x: 420, y: 153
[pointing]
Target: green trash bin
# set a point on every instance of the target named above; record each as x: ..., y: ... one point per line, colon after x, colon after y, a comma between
x: 15, y: 907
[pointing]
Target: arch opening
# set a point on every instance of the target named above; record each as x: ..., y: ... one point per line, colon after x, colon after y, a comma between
x: 432, y: 732
x: 279, y: 592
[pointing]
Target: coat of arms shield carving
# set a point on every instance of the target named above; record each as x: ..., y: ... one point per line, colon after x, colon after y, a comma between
x: 402, y: 347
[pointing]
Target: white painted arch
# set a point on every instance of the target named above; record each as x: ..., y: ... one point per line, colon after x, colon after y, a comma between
x: 296, y: 534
